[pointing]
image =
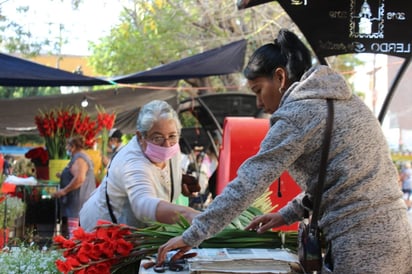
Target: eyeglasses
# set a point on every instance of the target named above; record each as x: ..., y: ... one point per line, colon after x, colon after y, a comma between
x: 160, y: 140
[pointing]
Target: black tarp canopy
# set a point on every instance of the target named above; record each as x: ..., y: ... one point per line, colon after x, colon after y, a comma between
x: 19, y: 72
x: 353, y: 26
x: 219, y: 61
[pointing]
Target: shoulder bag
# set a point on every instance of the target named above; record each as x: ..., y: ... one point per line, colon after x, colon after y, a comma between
x: 309, y: 242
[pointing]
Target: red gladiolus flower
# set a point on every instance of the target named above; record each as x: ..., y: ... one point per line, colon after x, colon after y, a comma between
x: 86, y: 247
x: 81, y: 271
x: 97, y: 251
x: 59, y: 239
x: 73, y: 262
x: 123, y: 247
x: 68, y: 244
x: 59, y: 124
x: 98, y: 269
x: 103, y: 268
x: 83, y: 257
x: 63, y: 266
x: 107, y: 248
x: 79, y: 233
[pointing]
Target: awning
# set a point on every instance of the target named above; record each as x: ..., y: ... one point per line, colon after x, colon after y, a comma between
x: 219, y: 61
x: 17, y: 115
x: 23, y: 73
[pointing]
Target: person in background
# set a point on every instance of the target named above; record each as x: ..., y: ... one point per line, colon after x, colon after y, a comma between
x: 206, y: 166
x: 7, y: 165
x: 362, y: 215
x: 144, y: 178
x: 77, y: 182
x: 115, y: 144
x: 406, y: 181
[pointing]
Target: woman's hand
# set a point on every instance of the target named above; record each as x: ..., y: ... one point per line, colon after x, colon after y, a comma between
x: 175, y: 243
x: 265, y: 222
x: 59, y: 193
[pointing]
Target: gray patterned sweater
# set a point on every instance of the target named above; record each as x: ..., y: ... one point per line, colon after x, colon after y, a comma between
x: 361, y: 180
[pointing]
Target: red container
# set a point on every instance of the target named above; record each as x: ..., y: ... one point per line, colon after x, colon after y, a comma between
x: 4, y: 237
x: 241, y: 139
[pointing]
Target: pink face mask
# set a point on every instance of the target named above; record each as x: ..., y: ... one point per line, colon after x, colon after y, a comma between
x: 159, y: 154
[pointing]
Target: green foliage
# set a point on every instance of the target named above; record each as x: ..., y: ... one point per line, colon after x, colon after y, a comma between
x: 147, y: 36
x: 21, y: 140
x: 20, y: 92
x: 152, y: 33
x: 188, y: 120
x: 345, y: 64
x: 16, y: 38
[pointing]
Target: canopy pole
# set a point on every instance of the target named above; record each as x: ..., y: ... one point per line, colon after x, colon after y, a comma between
x: 391, y: 92
x: 219, y: 128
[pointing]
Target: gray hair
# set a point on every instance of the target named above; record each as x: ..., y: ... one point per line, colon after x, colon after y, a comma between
x: 154, y: 111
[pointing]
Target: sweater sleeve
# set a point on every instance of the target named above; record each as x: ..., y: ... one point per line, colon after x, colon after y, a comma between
x: 281, y: 146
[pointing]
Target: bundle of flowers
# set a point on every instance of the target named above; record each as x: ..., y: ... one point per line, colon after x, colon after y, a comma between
x: 106, y: 123
x: 113, y: 248
x: 56, y: 125
x: 38, y: 156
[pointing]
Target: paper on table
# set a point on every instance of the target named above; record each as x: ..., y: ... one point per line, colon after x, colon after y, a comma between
x: 244, y: 253
x: 243, y: 260
x: 236, y: 260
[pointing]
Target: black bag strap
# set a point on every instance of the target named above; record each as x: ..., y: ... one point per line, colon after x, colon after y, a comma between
x: 322, y: 172
x: 109, y: 206
x: 172, y: 185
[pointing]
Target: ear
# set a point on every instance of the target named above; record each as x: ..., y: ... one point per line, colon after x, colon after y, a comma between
x: 139, y: 135
x: 280, y: 75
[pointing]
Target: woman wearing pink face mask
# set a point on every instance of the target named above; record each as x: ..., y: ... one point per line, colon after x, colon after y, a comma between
x: 144, y: 177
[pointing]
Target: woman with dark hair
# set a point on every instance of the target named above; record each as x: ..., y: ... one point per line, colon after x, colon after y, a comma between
x: 77, y: 182
x: 362, y: 214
